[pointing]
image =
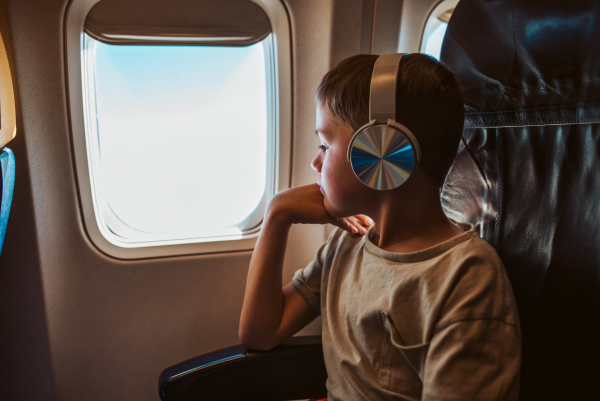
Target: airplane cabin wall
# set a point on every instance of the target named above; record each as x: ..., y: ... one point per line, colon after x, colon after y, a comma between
x: 76, y: 324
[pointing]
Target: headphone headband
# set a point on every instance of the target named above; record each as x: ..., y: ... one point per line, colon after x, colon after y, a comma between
x: 382, y: 106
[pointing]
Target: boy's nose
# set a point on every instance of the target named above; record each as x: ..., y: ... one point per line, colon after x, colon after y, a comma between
x: 316, y: 164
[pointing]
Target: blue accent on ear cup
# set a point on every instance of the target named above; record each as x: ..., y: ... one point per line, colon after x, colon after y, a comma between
x: 361, y: 159
x: 403, y: 158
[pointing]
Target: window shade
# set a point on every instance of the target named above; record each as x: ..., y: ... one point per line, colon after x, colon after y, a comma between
x: 177, y: 22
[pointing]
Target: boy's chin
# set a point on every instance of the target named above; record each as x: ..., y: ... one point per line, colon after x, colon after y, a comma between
x: 335, y: 211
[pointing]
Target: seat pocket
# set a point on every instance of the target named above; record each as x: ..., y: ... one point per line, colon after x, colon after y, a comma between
x: 402, y: 365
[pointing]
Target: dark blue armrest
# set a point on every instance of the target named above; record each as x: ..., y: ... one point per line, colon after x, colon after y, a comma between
x: 291, y: 371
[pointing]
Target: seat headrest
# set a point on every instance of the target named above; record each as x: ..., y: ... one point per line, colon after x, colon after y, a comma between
x: 514, y: 54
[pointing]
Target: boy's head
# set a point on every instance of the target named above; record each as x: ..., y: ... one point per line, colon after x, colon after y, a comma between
x: 429, y: 102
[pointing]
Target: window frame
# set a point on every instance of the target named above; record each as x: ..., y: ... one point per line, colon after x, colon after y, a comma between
x: 278, y: 62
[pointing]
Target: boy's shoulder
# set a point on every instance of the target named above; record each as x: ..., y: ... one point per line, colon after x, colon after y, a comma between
x: 478, y: 285
x: 474, y: 259
x: 476, y: 245
x: 476, y: 251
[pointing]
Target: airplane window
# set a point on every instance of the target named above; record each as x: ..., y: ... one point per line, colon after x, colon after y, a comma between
x: 433, y: 44
x: 178, y: 140
x: 435, y: 28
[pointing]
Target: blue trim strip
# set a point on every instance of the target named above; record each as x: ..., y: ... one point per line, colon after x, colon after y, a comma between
x: 207, y: 365
x: 7, y: 168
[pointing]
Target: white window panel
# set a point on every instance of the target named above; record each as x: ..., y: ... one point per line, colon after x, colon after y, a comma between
x: 178, y: 139
x: 433, y: 44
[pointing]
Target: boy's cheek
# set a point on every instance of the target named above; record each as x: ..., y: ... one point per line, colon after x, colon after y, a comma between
x: 341, y: 189
x: 338, y: 201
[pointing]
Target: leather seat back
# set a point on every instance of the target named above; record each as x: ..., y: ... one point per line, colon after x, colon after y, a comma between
x: 527, y: 174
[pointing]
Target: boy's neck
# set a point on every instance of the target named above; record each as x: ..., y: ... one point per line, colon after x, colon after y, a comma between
x: 406, y: 224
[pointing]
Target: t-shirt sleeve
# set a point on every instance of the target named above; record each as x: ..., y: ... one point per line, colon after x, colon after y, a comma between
x: 473, y: 360
x: 308, y: 280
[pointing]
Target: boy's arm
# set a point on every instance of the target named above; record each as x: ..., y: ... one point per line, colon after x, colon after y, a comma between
x: 271, y: 314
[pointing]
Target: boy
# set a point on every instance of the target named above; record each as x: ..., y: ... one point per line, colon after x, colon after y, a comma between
x: 415, y: 307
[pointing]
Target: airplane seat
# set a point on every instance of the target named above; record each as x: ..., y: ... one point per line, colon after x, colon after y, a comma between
x: 527, y: 174
x: 7, y: 184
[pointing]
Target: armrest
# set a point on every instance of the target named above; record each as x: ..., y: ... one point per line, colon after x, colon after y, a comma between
x: 291, y: 371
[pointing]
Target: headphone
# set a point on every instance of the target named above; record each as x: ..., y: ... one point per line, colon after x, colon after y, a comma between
x: 383, y: 153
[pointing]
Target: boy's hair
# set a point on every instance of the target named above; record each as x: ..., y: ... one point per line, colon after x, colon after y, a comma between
x: 429, y: 102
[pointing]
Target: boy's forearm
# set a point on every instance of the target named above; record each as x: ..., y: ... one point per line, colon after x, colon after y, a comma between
x: 263, y: 301
x: 270, y: 314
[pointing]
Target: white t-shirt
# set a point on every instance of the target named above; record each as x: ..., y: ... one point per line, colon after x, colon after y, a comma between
x: 438, y: 324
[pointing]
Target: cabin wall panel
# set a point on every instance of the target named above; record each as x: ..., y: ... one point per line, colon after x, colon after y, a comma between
x: 347, y: 26
x: 25, y: 365
x: 386, y: 32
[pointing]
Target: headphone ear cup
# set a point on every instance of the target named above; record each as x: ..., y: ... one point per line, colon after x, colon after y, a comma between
x: 383, y: 157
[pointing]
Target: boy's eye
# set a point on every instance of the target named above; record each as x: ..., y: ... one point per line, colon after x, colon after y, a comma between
x: 323, y: 147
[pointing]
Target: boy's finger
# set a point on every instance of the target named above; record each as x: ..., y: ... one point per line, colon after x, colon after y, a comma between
x: 344, y: 224
x: 364, y: 220
x: 360, y: 221
x: 351, y: 225
x: 358, y: 224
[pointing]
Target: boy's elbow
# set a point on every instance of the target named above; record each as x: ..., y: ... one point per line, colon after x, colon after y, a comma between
x: 255, y: 341
x: 258, y: 346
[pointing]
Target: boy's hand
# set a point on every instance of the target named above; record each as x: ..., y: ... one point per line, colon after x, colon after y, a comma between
x: 362, y: 221
x: 304, y: 205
